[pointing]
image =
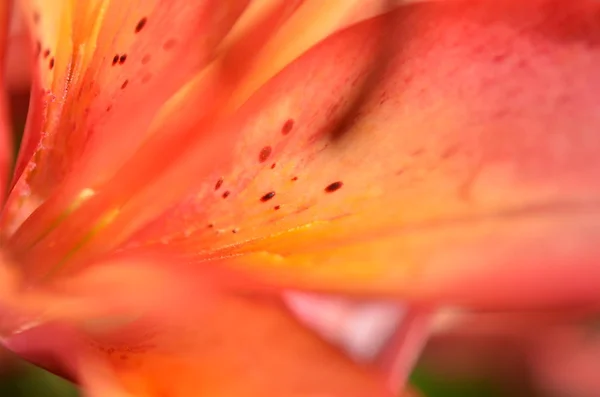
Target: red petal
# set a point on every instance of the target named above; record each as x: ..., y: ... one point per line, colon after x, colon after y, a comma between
x: 5, y: 125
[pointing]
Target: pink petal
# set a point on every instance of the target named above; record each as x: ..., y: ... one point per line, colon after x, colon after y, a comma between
x: 467, y: 175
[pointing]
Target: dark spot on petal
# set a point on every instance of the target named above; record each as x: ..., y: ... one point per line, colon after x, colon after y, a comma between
x: 264, y: 154
x: 108, y: 108
x: 333, y: 187
x: 234, y: 231
x: 140, y: 25
x: 122, y: 59
x: 287, y: 127
x: 226, y: 194
x: 210, y: 226
x: 51, y: 64
x: 267, y: 196
x: 169, y: 44
x: 383, y: 98
x: 46, y: 53
x: 277, y: 207
x: 146, y: 59
x: 219, y: 183
x: 115, y: 59
x: 294, y: 179
x: 124, y: 85
x: 146, y: 78
x: 273, y: 165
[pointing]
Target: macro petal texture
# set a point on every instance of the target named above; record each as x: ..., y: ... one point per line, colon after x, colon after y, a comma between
x: 419, y: 154
x: 188, y: 165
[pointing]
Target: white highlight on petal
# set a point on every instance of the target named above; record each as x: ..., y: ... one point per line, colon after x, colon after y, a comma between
x: 361, y: 329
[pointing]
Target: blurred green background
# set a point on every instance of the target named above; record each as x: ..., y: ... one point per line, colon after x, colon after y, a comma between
x: 19, y: 379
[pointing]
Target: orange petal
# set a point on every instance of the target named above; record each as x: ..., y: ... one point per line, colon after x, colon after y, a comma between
x: 215, y: 343
x: 475, y: 157
x: 314, y: 21
x: 268, y: 351
x: 166, y: 294
x: 240, y: 346
x: 50, y: 32
x: 201, y: 148
x: 169, y: 135
x: 47, y: 25
x: 183, y: 122
x: 115, y: 66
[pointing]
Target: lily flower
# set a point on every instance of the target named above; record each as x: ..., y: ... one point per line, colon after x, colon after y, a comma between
x: 186, y: 166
